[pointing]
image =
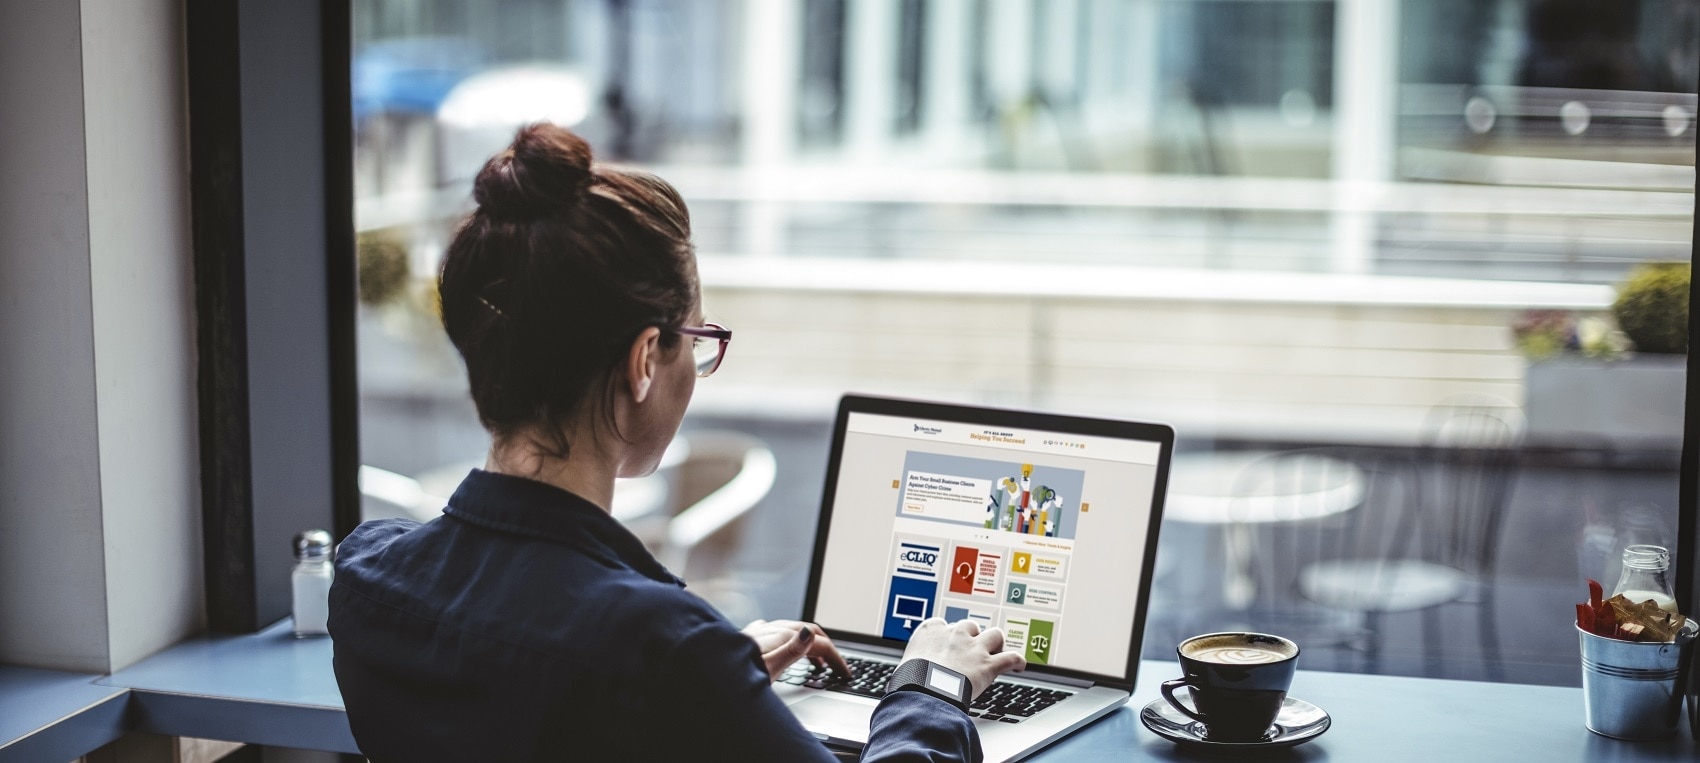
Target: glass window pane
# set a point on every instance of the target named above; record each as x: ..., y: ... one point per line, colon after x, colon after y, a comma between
x: 1396, y: 271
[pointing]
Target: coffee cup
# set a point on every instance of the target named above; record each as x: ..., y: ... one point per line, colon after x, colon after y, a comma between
x: 1237, y: 681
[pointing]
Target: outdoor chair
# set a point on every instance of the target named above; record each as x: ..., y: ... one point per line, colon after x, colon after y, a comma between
x: 1293, y: 509
x: 722, y: 476
x: 689, y: 513
x: 387, y: 495
x: 1433, y: 540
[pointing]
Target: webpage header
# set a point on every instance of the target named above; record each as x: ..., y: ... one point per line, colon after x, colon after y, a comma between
x: 1024, y: 440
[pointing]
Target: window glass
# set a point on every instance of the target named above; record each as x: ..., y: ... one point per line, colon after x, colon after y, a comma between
x: 1409, y: 278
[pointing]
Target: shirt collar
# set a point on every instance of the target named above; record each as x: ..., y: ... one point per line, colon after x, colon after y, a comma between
x: 539, y: 510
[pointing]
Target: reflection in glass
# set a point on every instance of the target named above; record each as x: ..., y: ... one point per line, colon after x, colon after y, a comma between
x: 1391, y: 234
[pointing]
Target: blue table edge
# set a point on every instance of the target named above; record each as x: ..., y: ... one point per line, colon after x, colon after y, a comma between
x: 136, y: 703
x: 75, y: 728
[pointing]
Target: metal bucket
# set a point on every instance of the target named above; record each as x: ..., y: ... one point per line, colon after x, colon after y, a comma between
x: 1629, y: 689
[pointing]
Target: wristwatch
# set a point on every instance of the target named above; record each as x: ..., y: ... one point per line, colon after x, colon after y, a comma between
x: 932, y: 678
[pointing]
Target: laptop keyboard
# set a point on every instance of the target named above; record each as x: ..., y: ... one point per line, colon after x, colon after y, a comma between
x: 1013, y: 703
x: 869, y: 679
x: 1002, y: 701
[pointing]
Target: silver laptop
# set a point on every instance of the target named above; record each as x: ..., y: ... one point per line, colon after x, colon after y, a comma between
x: 1042, y: 525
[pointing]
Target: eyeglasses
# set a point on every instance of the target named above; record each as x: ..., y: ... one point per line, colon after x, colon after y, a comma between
x: 708, y: 345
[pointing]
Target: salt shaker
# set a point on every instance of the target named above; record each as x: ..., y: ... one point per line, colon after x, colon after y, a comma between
x: 312, y: 582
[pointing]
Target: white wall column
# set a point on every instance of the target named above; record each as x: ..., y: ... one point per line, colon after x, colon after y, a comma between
x: 771, y: 75
x: 52, y: 560
x: 143, y: 283
x: 870, y: 73
x: 1009, y: 75
x: 945, y: 103
x: 1009, y: 51
x: 1366, y: 82
x: 1056, y: 70
x: 100, y: 559
x: 1133, y: 49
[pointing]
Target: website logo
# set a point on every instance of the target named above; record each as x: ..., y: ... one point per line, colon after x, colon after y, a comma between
x: 918, y: 559
x: 928, y: 430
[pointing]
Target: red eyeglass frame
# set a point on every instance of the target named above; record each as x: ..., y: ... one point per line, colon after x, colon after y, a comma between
x: 710, y: 331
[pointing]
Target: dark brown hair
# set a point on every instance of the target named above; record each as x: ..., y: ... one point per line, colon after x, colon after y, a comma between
x: 551, y: 278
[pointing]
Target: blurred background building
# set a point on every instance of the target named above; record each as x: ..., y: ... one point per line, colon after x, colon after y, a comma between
x: 1364, y: 226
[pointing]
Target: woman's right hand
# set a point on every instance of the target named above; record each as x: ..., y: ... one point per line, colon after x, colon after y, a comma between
x: 964, y: 648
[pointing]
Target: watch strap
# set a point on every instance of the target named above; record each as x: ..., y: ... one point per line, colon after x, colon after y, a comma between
x: 918, y: 675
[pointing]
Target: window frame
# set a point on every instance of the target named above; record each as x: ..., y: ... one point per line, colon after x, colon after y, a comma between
x: 268, y: 83
x: 1688, y: 500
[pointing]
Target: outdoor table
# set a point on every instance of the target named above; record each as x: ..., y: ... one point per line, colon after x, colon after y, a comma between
x: 1202, y: 490
x: 1207, y: 489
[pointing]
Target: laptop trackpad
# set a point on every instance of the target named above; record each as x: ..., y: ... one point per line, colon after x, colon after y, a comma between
x: 840, y: 718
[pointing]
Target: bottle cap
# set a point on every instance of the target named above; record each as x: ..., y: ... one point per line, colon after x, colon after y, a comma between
x: 313, y: 545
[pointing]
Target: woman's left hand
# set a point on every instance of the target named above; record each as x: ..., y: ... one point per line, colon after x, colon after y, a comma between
x: 783, y: 642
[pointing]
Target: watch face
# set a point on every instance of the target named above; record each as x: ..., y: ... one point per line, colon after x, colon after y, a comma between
x: 945, y: 682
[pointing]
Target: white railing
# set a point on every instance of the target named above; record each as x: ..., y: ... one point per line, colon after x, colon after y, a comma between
x: 849, y: 185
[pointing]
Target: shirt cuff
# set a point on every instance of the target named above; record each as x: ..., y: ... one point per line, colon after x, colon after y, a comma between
x: 912, y: 725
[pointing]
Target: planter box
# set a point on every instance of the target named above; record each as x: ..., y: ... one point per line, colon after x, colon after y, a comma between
x: 1635, y: 403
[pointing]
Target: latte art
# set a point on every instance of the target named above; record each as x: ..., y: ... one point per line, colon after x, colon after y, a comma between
x: 1237, y: 655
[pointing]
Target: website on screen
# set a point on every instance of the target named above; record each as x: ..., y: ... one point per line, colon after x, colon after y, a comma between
x: 1042, y: 534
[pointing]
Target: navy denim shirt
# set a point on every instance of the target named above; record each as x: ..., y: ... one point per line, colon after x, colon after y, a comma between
x: 528, y: 624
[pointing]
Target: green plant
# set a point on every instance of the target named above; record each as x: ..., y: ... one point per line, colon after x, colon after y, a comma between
x: 1652, y: 307
x: 1541, y: 334
x: 382, y: 261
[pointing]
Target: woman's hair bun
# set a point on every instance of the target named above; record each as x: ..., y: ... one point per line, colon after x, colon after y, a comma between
x: 545, y: 172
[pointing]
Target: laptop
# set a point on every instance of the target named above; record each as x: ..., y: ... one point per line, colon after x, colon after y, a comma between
x: 1042, y: 525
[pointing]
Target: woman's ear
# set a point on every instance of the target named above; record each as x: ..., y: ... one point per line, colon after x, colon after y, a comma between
x: 641, y: 363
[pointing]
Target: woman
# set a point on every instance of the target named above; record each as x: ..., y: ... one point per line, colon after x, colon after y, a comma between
x: 526, y: 623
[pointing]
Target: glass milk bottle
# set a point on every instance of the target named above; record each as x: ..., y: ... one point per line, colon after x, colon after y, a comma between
x: 1646, y: 575
x: 312, y: 582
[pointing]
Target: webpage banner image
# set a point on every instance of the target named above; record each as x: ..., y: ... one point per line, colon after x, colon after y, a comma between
x: 1005, y: 495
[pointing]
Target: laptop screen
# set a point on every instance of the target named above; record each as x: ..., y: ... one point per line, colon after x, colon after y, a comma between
x: 1042, y: 533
